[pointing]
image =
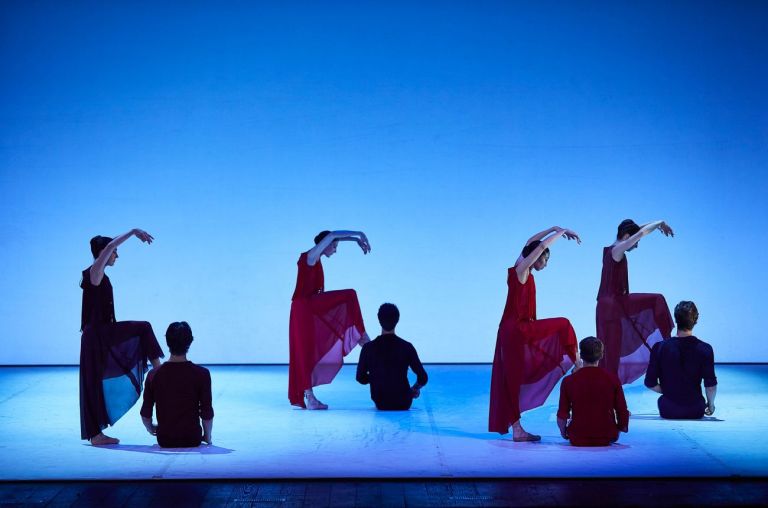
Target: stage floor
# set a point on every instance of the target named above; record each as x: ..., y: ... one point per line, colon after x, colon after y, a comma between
x: 257, y: 434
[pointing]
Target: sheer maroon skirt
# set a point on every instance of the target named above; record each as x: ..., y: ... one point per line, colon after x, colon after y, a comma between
x: 323, y: 329
x: 113, y: 361
x: 629, y: 325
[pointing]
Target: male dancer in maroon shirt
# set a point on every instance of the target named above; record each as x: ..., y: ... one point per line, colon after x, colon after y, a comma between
x: 593, y: 400
x: 182, y: 392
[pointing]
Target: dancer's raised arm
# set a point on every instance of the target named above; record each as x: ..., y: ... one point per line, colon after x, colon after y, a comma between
x: 337, y: 236
x: 541, y: 234
x: 523, y: 267
x: 97, y: 269
x: 623, y: 245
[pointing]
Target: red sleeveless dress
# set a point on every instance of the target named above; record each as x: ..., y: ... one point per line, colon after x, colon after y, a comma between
x: 324, y: 327
x: 531, y: 356
x: 629, y: 324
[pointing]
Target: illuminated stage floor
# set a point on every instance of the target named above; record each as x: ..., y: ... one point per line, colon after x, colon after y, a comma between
x: 258, y: 435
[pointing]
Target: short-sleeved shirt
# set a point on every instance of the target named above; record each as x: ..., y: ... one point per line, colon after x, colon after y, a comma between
x: 384, y: 364
x: 679, y: 365
x: 592, y: 398
x: 182, y: 393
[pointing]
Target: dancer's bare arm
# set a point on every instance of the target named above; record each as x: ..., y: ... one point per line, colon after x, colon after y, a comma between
x: 151, y: 427
x: 97, y: 269
x: 207, y: 430
x: 711, y: 391
x: 341, y: 236
x: 541, y: 234
x: 620, y: 247
x: 524, y: 265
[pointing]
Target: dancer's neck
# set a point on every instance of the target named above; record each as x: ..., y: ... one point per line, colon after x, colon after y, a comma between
x: 684, y: 333
x: 178, y: 358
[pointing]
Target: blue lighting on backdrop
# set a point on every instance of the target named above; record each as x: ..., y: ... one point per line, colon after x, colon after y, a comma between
x: 449, y: 132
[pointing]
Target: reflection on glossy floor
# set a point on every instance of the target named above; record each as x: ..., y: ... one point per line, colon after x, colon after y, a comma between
x: 258, y: 435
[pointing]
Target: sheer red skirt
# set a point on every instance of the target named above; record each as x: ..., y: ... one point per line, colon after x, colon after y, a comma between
x: 323, y: 329
x: 531, y: 357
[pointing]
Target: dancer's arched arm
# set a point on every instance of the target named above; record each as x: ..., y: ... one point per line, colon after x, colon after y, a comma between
x: 524, y: 266
x: 341, y: 236
x: 97, y: 269
x: 619, y: 248
x: 541, y: 234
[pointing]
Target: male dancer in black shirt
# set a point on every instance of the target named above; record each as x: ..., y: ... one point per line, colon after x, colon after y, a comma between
x: 384, y: 364
x: 678, y: 366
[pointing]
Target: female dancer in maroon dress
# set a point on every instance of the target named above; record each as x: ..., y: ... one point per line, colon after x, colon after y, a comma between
x: 113, y: 355
x: 531, y: 354
x: 324, y: 325
x: 629, y: 324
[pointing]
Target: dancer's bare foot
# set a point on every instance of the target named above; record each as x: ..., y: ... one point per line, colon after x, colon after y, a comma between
x: 520, y: 435
x: 364, y: 339
x: 312, y: 402
x: 525, y: 437
x: 103, y: 440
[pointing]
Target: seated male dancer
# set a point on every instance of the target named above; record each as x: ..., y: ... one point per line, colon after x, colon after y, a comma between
x: 384, y: 364
x: 678, y: 366
x: 593, y: 400
x: 182, y: 392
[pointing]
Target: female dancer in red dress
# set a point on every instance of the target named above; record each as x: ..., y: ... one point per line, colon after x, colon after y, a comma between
x: 324, y: 325
x: 629, y: 324
x: 531, y: 354
x: 113, y: 354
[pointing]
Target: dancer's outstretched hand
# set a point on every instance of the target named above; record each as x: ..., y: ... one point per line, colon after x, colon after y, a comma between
x: 666, y: 230
x: 571, y: 235
x: 364, y: 243
x: 143, y: 235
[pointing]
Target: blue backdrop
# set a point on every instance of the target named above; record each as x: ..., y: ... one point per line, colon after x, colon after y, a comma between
x: 448, y: 131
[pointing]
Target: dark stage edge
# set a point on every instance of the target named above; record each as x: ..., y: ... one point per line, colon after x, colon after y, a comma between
x: 392, y: 493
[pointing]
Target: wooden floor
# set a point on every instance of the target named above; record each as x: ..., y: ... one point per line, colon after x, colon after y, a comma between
x: 355, y: 493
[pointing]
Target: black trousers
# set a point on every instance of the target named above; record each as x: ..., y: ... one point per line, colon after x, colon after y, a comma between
x: 403, y: 404
x: 672, y: 410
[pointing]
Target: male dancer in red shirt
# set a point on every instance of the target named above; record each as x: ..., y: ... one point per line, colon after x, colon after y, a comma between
x: 593, y: 400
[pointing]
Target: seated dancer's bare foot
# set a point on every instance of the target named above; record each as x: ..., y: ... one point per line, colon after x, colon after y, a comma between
x: 312, y: 402
x: 364, y: 339
x: 103, y: 440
